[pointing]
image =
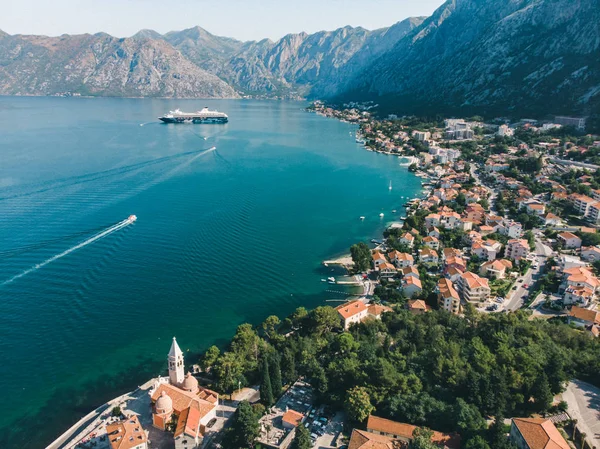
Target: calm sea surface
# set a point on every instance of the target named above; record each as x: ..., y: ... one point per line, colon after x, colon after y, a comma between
x: 222, y: 237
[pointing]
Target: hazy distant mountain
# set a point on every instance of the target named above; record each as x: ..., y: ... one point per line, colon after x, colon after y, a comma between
x: 187, y: 63
x: 481, y: 56
x: 530, y: 56
x: 102, y: 65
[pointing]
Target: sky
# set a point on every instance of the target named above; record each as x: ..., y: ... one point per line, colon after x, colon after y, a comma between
x: 241, y: 19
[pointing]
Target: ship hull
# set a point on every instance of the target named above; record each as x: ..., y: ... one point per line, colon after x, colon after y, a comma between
x: 195, y: 120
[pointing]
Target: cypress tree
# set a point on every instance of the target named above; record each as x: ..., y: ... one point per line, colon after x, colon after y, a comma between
x: 289, y: 366
x: 301, y: 439
x: 266, y: 392
x: 275, y: 371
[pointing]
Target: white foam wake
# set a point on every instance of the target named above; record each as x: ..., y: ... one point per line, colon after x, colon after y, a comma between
x: 110, y: 230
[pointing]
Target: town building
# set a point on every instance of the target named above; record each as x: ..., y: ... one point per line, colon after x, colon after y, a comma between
x: 590, y: 253
x: 411, y: 286
x: 448, y: 297
x: 536, y: 433
x: 180, y: 400
x: 378, y: 259
x: 402, y: 433
x: 401, y: 260
x: 417, y: 306
x: 577, y: 122
x: 291, y: 419
x: 569, y: 240
x: 127, y: 434
x: 473, y: 288
x: 427, y: 255
x: 495, y: 269
x: 352, y: 312
x: 517, y: 249
x: 584, y: 317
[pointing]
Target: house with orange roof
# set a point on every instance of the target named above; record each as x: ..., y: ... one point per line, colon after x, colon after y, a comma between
x: 431, y: 242
x: 495, y: 269
x: 407, y: 239
x: 405, y: 432
x: 485, y: 230
x: 433, y: 232
x: 473, y: 288
x: 552, y: 220
x: 291, y: 419
x: 584, y: 317
x: 535, y: 208
x: 376, y: 310
x: 452, y: 273
x: 569, y: 240
x: 386, y: 270
x: 417, y: 306
x: 410, y: 271
x: 578, y: 295
x: 401, y: 260
x: 411, y: 286
x: 378, y: 259
x: 352, y: 312
x: 127, y: 434
x: 448, y: 297
x: 428, y: 255
x: 536, y: 433
x: 517, y: 249
x: 590, y: 253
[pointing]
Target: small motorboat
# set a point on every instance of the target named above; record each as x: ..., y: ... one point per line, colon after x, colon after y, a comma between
x: 381, y: 215
x: 361, y: 218
x: 131, y: 218
x: 331, y: 280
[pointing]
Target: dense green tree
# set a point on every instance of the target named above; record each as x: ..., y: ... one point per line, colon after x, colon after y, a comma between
x: 542, y: 394
x: 288, y: 366
x: 270, y: 326
x: 468, y: 418
x: 210, y: 357
x: 266, y: 391
x: 229, y: 372
x: 244, y: 428
x: 476, y: 442
x: 275, y: 372
x: 361, y: 256
x: 358, y: 404
x: 324, y: 320
x: 301, y: 439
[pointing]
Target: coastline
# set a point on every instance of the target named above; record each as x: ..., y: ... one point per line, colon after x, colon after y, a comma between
x: 74, y: 433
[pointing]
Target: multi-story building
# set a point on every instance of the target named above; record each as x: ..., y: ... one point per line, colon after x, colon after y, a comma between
x: 473, y: 288
x: 401, y: 260
x: 581, y: 203
x: 577, y: 122
x: 536, y: 433
x: 495, y: 269
x: 569, y: 240
x: 517, y: 249
x: 448, y: 297
x: 352, y: 312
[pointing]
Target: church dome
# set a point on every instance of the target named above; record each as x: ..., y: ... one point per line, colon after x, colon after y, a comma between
x: 164, y: 404
x: 190, y: 383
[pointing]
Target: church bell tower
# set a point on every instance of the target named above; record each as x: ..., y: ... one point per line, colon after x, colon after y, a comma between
x: 176, y: 368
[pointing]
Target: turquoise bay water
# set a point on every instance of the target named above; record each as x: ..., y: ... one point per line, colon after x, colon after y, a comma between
x: 222, y: 237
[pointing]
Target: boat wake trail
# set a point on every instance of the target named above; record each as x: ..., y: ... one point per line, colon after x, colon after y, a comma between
x: 106, y: 232
x: 7, y: 254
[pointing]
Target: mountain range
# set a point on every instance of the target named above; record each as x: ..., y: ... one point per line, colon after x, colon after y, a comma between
x: 481, y: 56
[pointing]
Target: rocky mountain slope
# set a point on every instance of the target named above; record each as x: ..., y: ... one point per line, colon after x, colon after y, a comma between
x: 485, y: 56
x: 102, y: 65
x: 471, y: 56
x: 188, y: 63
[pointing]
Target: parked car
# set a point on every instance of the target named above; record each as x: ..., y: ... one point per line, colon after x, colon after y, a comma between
x: 211, y: 423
